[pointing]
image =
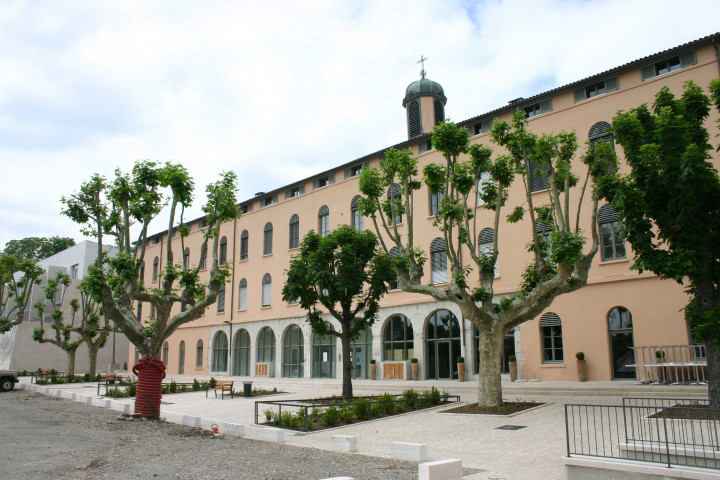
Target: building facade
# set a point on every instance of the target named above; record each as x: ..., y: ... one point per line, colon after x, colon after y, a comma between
x: 19, y: 351
x: 252, y: 332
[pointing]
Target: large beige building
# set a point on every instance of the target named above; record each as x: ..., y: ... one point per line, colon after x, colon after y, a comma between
x: 252, y: 332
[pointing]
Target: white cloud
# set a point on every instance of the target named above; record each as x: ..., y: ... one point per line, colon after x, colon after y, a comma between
x: 276, y: 91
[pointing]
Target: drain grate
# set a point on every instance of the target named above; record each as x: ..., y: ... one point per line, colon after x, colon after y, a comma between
x: 511, y: 427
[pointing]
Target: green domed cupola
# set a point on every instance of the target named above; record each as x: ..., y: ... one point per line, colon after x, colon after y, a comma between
x: 425, y: 104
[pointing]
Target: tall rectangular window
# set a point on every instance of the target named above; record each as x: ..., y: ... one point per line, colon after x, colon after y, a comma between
x: 244, y: 245
x: 267, y: 239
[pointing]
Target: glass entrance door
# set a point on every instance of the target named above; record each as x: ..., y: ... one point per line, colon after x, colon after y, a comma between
x: 323, y: 355
x: 444, y: 364
x: 357, y: 357
x: 620, y: 329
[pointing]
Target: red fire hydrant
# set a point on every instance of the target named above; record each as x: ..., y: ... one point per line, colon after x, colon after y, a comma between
x: 150, y: 373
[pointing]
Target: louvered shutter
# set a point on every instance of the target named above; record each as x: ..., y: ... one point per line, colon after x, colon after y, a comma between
x: 550, y: 320
x: 580, y: 95
x: 687, y: 59
x: 546, y: 105
x: 611, y: 84
x: 438, y: 261
x: 647, y: 72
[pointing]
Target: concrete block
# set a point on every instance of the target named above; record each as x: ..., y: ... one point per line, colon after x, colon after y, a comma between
x: 417, y: 452
x: 272, y: 435
x: 191, y: 421
x: 338, y: 478
x: 121, y: 407
x: 450, y: 469
x: 234, y: 429
x: 345, y: 443
x: 57, y: 392
x: 68, y: 395
x: 104, y: 403
x: 84, y: 399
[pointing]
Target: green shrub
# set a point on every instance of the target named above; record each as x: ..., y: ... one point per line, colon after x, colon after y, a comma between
x: 130, y: 390
x: 360, y: 409
x: 212, y: 382
x: 42, y: 381
x: 268, y: 415
x: 375, y: 410
x: 87, y: 377
x: 54, y: 379
x: 195, y: 385
x: 288, y: 420
x: 115, y: 392
x: 52, y: 372
x: 410, y: 397
x: 387, y: 404
x: 173, y: 387
x: 347, y: 414
x: 331, y: 416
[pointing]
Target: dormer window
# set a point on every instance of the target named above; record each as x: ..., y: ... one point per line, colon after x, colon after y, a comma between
x: 425, y: 146
x: 667, y: 65
x: 595, y: 89
x: 324, y: 181
x: 269, y: 200
x: 539, y: 108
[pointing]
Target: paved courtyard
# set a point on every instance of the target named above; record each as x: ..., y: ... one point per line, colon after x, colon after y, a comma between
x: 533, y: 452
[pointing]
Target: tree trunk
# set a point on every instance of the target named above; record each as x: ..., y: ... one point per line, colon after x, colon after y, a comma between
x: 713, y: 366
x: 92, y: 358
x: 70, y: 370
x: 347, y: 365
x: 490, y: 351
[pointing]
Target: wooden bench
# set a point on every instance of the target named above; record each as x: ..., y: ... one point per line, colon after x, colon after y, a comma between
x: 44, y: 373
x: 113, y: 380
x: 224, y: 386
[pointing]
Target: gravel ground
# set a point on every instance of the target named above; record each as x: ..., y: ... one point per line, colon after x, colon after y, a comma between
x: 45, y: 437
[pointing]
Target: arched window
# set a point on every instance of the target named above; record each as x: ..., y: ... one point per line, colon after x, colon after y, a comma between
x: 186, y: 258
x: 221, y: 299
x: 244, y: 245
x: 181, y: 357
x: 551, y: 334
x: 199, y: 354
x: 223, y: 250
x: 612, y: 245
x: 442, y: 335
x: 266, y: 346
x: 165, y: 353
x: 241, y: 353
x: 324, y: 355
x: 220, y: 352
x: 294, y: 231
x: 293, y: 353
x: 620, y: 330
x: 484, y: 183
x: 156, y: 266
x: 485, y: 244
x: 439, y: 112
x: 438, y: 261
x: 393, y: 285
x: 266, y: 290
x: 267, y: 239
x: 600, y: 132
x: 242, y: 294
x: 356, y: 218
x: 394, y: 195
x: 324, y: 221
x: 398, y: 339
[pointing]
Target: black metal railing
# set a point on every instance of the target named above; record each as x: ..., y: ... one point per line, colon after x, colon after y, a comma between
x: 667, y: 431
x: 299, y: 414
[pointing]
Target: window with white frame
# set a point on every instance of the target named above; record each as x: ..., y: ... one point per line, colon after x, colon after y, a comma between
x: 324, y: 221
x: 551, y: 335
x: 267, y: 239
x: 596, y: 88
x: 221, y: 299
x: 538, y: 108
x: 242, y: 294
x: 266, y: 290
x: 485, y: 245
x: 294, y: 231
x: 356, y: 217
x: 244, y: 245
x: 435, y: 200
x: 485, y: 179
x: 394, y: 195
x: 223, y: 250
x: 199, y: 354
x: 612, y: 245
x: 438, y: 261
x: 668, y: 64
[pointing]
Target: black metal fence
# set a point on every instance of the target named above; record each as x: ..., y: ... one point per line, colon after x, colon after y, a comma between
x: 668, y: 431
x: 298, y: 414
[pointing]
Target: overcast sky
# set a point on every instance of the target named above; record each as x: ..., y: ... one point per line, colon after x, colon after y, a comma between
x: 276, y: 91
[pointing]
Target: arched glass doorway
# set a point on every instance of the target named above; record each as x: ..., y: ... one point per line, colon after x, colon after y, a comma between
x: 442, y: 335
x: 293, y: 353
x: 181, y: 357
x: 219, y: 353
x: 620, y: 330
x: 241, y: 353
x: 324, y: 347
x: 360, y: 352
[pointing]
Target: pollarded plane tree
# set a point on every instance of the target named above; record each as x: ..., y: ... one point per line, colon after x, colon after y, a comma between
x: 17, y: 277
x: 108, y: 210
x: 93, y: 327
x: 560, y: 260
x: 62, y: 333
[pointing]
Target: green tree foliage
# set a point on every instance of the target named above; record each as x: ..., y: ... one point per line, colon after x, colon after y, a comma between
x: 17, y: 277
x: 37, y: 248
x: 560, y: 260
x: 344, y: 275
x: 107, y: 209
x: 670, y: 203
x: 62, y: 334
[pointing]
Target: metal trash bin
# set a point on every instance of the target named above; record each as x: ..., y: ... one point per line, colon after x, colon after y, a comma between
x: 247, y: 389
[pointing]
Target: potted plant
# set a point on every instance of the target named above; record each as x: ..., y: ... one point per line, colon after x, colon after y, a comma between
x: 415, y: 368
x: 373, y: 369
x: 461, y: 368
x: 512, y: 364
x: 581, y: 366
